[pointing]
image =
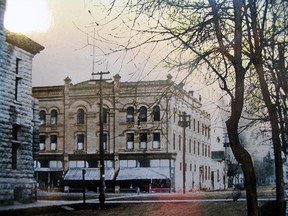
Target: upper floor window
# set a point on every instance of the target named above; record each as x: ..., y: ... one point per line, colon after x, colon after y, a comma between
x: 156, y: 141
x: 42, y: 117
x: 142, y: 114
x: 80, y: 142
x: 143, y: 140
x: 156, y: 113
x: 17, y: 79
x: 105, y: 144
x: 130, y: 114
x: 80, y: 116
x: 53, y: 142
x: 105, y: 115
x: 174, y: 141
x: 42, y: 142
x: 130, y: 140
x: 53, y: 117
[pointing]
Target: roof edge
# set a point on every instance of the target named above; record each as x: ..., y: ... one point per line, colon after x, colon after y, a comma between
x: 23, y: 42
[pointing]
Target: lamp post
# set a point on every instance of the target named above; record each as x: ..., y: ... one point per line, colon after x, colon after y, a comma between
x: 184, y: 123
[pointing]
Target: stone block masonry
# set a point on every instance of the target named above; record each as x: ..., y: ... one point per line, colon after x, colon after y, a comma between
x: 17, y: 124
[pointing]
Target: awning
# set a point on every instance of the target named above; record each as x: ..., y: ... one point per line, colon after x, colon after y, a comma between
x: 137, y: 173
x: 91, y: 174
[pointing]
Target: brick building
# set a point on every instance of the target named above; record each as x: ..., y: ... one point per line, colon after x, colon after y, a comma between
x: 17, y: 117
x: 146, y: 143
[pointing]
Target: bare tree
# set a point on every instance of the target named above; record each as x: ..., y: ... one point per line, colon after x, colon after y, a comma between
x: 229, y: 39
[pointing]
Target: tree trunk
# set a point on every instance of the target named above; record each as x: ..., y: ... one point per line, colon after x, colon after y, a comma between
x: 244, y: 158
x: 273, y: 117
x: 240, y: 153
x: 257, y: 60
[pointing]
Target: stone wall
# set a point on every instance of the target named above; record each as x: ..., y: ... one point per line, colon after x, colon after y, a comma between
x: 17, y: 181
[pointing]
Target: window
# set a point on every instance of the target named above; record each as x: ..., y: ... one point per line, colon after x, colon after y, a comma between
x: 80, y: 142
x: 143, y: 140
x: 142, y: 114
x: 180, y: 142
x: 190, y: 146
x: 174, y: 115
x: 156, y: 141
x: 15, y: 145
x: 80, y: 116
x: 17, y: 79
x: 105, y: 115
x: 105, y: 145
x: 130, y: 114
x: 53, y: 117
x: 198, y: 148
x: 174, y: 140
x: 156, y: 113
x: 42, y: 139
x: 14, y: 155
x: 16, y: 130
x: 194, y: 146
x: 42, y: 117
x: 202, y: 149
x: 203, y: 129
x: 144, y: 163
x: 130, y: 140
x: 53, y: 142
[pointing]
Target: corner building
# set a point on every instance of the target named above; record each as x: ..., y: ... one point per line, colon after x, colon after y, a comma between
x: 146, y: 144
x: 18, y: 122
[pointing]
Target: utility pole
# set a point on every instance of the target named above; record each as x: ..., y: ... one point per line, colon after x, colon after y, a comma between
x: 101, y: 146
x: 184, y: 123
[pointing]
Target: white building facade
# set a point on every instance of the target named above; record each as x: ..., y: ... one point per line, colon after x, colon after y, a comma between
x: 156, y: 136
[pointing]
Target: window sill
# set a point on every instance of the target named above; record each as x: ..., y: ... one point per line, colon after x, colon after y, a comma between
x: 17, y: 102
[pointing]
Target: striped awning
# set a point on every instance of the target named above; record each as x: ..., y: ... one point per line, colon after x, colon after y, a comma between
x: 138, y: 173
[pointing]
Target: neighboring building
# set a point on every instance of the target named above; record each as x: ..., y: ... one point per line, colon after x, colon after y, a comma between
x: 17, y: 130
x: 144, y: 136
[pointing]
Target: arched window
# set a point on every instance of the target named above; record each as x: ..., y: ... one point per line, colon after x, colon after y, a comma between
x: 156, y: 113
x: 42, y: 116
x: 80, y: 116
x: 142, y: 114
x: 53, y: 117
x: 105, y: 115
x: 130, y: 114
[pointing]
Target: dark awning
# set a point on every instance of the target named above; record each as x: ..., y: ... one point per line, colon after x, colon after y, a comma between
x: 91, y: 174
x: 137, y: 173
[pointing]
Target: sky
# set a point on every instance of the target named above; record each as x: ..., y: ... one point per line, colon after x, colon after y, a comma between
x: 61, y: 26
x: 64, y: 54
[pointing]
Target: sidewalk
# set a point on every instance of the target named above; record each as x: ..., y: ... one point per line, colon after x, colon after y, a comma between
x: 60, y: 202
